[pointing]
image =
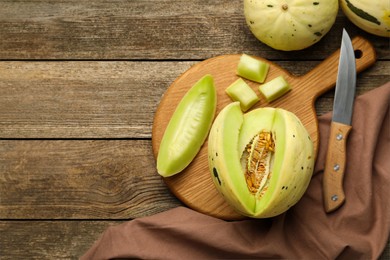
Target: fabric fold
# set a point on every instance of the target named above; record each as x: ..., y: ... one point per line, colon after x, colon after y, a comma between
x: 358, y: 230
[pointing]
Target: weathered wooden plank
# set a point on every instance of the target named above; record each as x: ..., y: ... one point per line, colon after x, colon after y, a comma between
x: 159, y: 29
x: 111, y: 99
x: 80, y: 179
x: 82, y: 99
x: 49, y: 239
x: 59, y: 239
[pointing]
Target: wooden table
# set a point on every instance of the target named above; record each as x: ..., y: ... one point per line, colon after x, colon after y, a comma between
x: 79, y: 84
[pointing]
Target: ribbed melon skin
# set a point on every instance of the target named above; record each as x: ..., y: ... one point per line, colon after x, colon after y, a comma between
x: 290, y: 25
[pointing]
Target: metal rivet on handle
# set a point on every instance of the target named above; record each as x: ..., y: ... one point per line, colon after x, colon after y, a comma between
x: 339, y: 137
x: 334, y: 198
x: 336, y: 167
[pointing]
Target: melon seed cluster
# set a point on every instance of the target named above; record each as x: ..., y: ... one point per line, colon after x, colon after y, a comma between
x: 258, y: 155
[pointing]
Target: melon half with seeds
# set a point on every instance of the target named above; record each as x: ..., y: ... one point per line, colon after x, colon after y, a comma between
x: 261, y: 161
x: 290, y: 24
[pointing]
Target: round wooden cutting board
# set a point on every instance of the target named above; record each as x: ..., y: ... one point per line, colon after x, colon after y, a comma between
x: 194, y: 186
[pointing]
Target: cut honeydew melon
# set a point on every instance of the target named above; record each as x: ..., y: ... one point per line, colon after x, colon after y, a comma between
x: 252, y: 68
x: 243, y: 93
x: 275, y: 88
x: 262, y: 161
x: 224, y: 135
x: 188, y: 127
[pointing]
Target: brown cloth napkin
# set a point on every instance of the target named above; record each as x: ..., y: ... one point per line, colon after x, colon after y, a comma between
x: 358, y: 230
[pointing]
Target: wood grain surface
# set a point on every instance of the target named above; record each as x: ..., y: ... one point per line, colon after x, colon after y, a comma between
x: 48, y: 239
x: 143, y: 29
x: 193, y: 185
x: 80, y: 179
x: 333, y: 178
x: 80, y: 82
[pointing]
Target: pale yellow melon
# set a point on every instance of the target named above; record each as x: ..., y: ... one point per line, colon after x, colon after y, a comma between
x: 370, y: 16
x: 290, y: 24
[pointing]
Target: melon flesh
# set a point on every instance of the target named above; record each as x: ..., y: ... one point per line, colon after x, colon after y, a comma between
x: 289, y: 166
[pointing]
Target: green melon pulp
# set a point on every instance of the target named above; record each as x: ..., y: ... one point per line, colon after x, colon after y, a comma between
x: 227, y: 127
x: 255, y: 121
x: 290, y: 162
x: 188, y: 127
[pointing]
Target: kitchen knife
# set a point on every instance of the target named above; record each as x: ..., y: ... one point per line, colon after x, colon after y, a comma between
x: 340, y: 127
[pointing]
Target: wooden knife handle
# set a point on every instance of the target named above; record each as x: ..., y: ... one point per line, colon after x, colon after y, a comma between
x: 333, y: 191
x: 318, y: 84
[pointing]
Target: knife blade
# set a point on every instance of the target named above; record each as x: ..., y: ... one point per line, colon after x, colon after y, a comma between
x: 333, y: 192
